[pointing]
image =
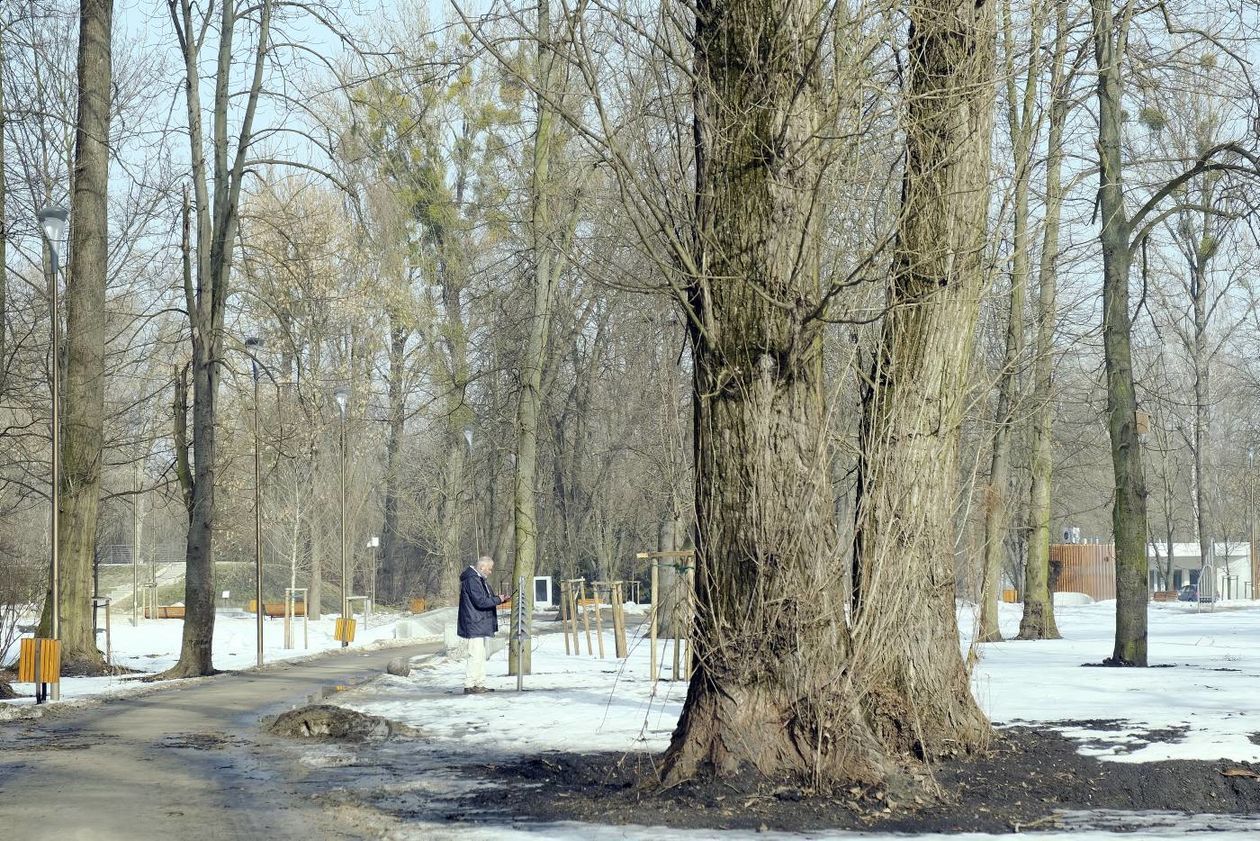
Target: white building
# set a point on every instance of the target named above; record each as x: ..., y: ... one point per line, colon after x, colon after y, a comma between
x: 1230, y: 561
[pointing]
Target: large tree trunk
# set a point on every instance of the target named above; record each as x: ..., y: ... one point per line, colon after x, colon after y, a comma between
x: 770, y: 631
x: 83, y: 396
x: 1038, y: 618
x: 905, y: 631
x: 1128, y: 514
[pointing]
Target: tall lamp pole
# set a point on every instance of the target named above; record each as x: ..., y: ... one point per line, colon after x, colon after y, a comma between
x: 342, y: 395
x: 253, y: 346
x: 52, y: 219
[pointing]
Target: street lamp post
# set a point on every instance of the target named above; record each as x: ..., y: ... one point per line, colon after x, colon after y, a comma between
x: 374, y: 543
x: 52, y: 219
x: 253, y: 346
x: 342, y: 395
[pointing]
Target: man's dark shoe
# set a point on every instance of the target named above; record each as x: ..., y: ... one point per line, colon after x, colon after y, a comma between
x: 473, y: 690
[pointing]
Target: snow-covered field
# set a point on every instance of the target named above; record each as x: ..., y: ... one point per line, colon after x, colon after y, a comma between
x: 1207, y: 689
x: 576, y: 703
x: 153, y: 646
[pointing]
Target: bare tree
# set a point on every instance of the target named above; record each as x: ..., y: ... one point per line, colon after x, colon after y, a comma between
x: 1037, y: 621
x: 212, y: 218
x: 83, y: 398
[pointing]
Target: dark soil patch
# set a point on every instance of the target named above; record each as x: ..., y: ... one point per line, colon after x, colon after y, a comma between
x: 1024, y: 781
x: 325, y: 722
x: 1254, y: 738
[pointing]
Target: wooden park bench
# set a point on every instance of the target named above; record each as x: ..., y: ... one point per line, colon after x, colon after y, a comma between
x: 275, y: 610
x: 166, y: 611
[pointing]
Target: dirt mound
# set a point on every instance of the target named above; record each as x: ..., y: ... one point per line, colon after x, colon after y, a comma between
x: 327, y: 723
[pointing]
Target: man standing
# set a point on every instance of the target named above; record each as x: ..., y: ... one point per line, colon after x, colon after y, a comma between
x: 478, y: 620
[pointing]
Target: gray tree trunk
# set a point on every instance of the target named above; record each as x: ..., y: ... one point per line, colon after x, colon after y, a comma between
x: 390, y: 584
x: 546, y: 269
x: 905, y: 633
x: 217, y: 189
x: 1037, y: 621
x: 83, y: 390
x: 1023, y: 122
x: 1128, y: 516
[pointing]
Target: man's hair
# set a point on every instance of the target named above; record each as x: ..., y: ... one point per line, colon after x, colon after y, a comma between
x: 484, y: 560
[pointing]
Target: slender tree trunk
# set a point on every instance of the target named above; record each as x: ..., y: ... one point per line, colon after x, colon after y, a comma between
x: 206, y: 289
x: 4, y: 230
x: 315, y: 542
x: 83, y: 396
x: 1128, y: 515
x: 919, y: 696
x: 542, y: 229
x: 1022, y: 120
x: 456, y: 501
x: 1038, y: 617
x: 390, y: 583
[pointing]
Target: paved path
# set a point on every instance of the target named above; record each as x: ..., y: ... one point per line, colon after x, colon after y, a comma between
x: 181, y: 763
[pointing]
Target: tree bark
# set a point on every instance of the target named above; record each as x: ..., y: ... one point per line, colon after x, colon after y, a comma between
x: 390, y: 584
x: 1037, y: 621
x: 770, y: 630
x: 918, y: 692
x: 4, y: 231
x: 1128, y: 516
x: 546, y: 270
x: 217, y: 189
x: 1022, y: 119
x: 83, y: 395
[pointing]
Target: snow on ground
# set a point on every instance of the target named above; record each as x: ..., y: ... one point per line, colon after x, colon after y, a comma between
x: 570, y: 702
x: 1206, y: 689
x: 153, y: 646
x: 1201, y: 701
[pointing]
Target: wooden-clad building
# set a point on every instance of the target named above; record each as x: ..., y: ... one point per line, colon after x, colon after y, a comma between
x: 1088, y: 568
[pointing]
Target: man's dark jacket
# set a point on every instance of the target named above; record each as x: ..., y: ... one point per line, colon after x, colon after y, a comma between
x: 478, y: 614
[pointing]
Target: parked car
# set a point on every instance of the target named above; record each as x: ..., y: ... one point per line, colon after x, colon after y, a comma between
x: 1190, y: 593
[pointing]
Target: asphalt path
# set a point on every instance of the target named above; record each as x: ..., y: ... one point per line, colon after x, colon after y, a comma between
x: 183, y: 762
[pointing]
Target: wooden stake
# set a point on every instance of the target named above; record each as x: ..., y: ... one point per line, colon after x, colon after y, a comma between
x: 689, y: 626
x: 564, y: 614
x: 619, y: 621
x: 586, y: 621
x: 655, y: 603
x: 573, y: 618
x: 599, y: 621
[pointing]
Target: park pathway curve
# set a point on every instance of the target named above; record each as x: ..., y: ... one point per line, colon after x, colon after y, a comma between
x: 185, y: 762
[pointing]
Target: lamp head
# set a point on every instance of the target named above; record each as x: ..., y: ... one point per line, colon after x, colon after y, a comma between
x: 53, y: 220
x: 342, y: 395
